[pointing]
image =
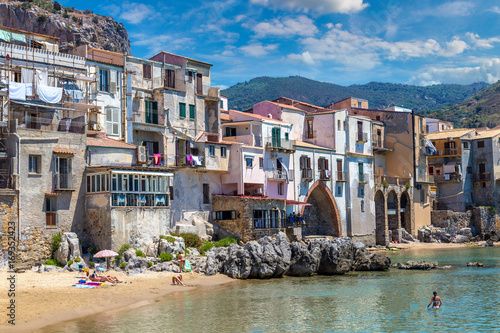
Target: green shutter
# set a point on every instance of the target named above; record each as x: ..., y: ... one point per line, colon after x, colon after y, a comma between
x: 182, y: 110
x: 155, y: 112
x: 278, y: 137
x: 274, y: 136
x: 361, y: 176
x: 191, y: 111
x: 148, y: 112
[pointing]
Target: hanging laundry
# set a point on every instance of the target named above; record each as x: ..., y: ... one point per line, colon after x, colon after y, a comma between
x: 156, y: 159
x: 73, y: 91
x: 17, y: 91
x: 29, y: 89
x: 41, y: 77
x: 197, y: 160
x: 27, y: 75
x: 189, y: 159
x: 50, y: 95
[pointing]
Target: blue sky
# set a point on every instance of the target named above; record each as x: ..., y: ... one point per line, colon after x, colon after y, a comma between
x: 339, y: 41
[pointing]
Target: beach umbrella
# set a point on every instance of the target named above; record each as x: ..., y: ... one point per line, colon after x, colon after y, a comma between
x: 105, y: 254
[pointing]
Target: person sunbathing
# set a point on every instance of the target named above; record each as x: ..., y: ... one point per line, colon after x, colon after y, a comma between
x: 96, y: 278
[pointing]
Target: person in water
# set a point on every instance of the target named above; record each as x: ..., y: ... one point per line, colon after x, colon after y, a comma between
x: 435, y: 301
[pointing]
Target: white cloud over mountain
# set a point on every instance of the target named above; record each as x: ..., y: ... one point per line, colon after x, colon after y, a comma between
x: 319, y: 6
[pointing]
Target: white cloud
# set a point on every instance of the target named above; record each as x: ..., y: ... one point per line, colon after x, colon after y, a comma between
x: 450, y: 9
x: 487, y: 70
x: 286, y: 27
x: 495, y: 9
x: 320, y: 6
x: 257, y: 49
x: 135, y: 13
x: 157, y: 43
x: 305, y: 57
x: 484, y: 43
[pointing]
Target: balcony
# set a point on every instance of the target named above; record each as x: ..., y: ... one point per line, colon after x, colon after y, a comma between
x: 306, y: 175
x: 362, y: 137
x: 447, y: 152
x: 202, y: 90
x: 341, y: 176
x: 425, y: 152
x: 397, y: 180
x: 481, y: 176
x: 448, y: 177
x: 274, y: 143
x: 381, y: 145
x: 177, y: 84
x: 47, y: 122
x: 325, y: 174
x: 190, y: 161
x: 63, y: 182
x: 280, y: 175
x: 364, y: 178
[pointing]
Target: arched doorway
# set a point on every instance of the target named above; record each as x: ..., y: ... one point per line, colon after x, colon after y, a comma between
x: 380, y: 227
x: 322, y: 216
x: 405, y: 209
x: 392, y: 210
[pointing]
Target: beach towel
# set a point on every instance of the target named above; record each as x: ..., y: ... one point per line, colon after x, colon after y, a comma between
x: 84, y: 286
x: 17, y: 91
x: 187, y: 266
x: 50, y: 95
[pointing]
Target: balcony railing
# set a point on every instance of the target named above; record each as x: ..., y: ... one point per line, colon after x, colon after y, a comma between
x: 364, y: 178
x: 192, y: 161
x: 325, y: 174
x: 280, y: 175
x: 362, y: 137
x: 71, y: 125
x: 306, y: 174
x: 7, y: 181
x: 448, y: 177
x: 481, y: 176
x: 341, y: 176
x: 278, y: 143
x: 63, y: 181
x: 447, y: 152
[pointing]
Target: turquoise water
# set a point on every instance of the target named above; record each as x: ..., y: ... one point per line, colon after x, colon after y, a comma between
x: 393, y: 301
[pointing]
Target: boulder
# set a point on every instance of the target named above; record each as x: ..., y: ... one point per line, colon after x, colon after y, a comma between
x: 406, y: 236
x: 416, y: 265
x: 424, y: 235
x: 460, y: 239
x: 467, y: 232
x: 129, y: 254
x: 303, y: 262
x: 62, y: 253
x: 75, y: 249
x: 193, y: 251
x: 475, y: 264
x: 152, y: 249
x: 373, y: 262
x: 74, y: 266
x: 175, y: 247
x: 238, y: 264
x: 136, y: 265
x: 47, y: 268
x: 337, y: 257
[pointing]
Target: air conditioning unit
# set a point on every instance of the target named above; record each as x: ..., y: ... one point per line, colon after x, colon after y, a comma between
x: 142, y: 155
x: 139, y: 94
x: 259, y: 191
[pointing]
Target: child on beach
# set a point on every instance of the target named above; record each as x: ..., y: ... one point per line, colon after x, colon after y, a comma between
x: 177, y: 279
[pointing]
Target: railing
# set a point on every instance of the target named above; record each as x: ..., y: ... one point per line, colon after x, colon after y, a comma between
x: 325, y: 174
x: 447, y: 152
x: 71, y: 125
x: 278, y: 143
x: 202, y: 90
x: 159, y: 161
x: 425, y: 152
x: 306, y: 174
x: 397, y: 180
x: 280, y: 174
x: 481, y: 176
x: 151, y: 118
x: 341, y: 176
x: 364, y: 178
x: 362, y: 137
x: 268, y: 223
x: 63, y: 181
x: 177, y: 84
x: 139, y: 200
x: 453, y: 177
x: 193, y: 161
x: 7, y: 181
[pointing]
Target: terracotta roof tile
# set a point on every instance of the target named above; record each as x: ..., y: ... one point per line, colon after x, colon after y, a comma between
x: 66, y: 152
x: 308, y: 145
x: 111, y: 143
x: 452, y: 133
x: 258, y: 116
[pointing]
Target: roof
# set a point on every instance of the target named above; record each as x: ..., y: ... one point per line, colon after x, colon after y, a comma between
x: 488, y: 134
x: 358, y: 99
x: 300, y: 102
x: 258, y: 116
x: 308, y: 145
x: 225, y: 116
x: 29, y: 33
x: 286, y: 106
x: 190, y: 59
x: 64, y: 152
x: 109, y: 143
x: 247, y: 197
x: 451, y: 133
x: 222, y: 142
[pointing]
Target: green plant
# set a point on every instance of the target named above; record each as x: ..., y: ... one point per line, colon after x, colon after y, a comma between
x: 123, y: 265
x: 407, y: 186
x: 70, y: 262
x: 95, y: 20
x: 74, y: 18
x: 190, y: 240
x: 41, y: 18
x: 52, y: 262
x: 225, y: 242
x: 57, y: 6
x: 25, y: 5
x: 205, y: 247
x: 117, y: 259
x: 187, y: 251
x: 78, y: 259
x: 65, y: 15
x: 491, y: 209
x: 56, y: 240
x: 92, y: 264
x: 385, y: 183
x: 124, y: 248
x: 166, y: 257
x: 150, y: 263
x: 139, y: 253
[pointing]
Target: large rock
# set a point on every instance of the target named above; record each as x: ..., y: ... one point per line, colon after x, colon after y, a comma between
x: 423, y: 265
x: 175, y: 247
x: 238, y: 264
x: 62, y: 253
x: 372, y: 262
x: 303, y: 262
x: 461, y: 239
x: 136, y: 265
x: 75, y: 249
x: 129, y: 254
x: 337, y: 257
x: 425, y: 235
x: 467, y: 232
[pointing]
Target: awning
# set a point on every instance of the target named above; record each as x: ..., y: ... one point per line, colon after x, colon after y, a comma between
x: 145, y: 173
x: 18, y: 37
x: 5, y: 35
x: 293, y: 202
x: 64, y: 152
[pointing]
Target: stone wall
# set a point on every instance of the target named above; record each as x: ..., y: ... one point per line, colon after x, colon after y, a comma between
x: 482, y: 220
x: 448, y: 218
x: 485, y: 221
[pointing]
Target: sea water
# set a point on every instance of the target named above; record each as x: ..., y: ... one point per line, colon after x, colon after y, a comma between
x: 390, y: 301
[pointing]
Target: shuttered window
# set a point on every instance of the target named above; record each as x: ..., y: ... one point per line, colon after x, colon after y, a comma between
x: 192, y: 112
x: 182, y: 110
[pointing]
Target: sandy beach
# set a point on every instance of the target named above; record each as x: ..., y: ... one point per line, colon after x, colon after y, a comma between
x: 48, y: 298
x: 431, y: 246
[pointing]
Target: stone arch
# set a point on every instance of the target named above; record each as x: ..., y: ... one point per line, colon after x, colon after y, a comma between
x: 322, y: 216
x: 405, y: 211
x: 381, y: 236
x: 392, y: 210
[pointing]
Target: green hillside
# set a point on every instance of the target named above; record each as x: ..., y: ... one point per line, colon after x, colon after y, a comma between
x: 482, y: 109
x: 244, y: 95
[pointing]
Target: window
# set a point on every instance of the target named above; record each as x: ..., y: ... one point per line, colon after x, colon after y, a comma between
x: 261, y: 162
x: 50, y: 212
x: 221, y: 104
x: 211, y: 150
x: 169, y: 80
x: 34, y: 164
x: 103, y: 80
x: 377, y: 118
x: 359, y: 105
x: 182, y: 110
x: 431, y: 170
x: 281, y: 189
x: 466, y: 145
x: 361, y: 191
x: 360, y: 131
x: 339, y: 190
x: 199, y: 84
x: 260, y: 219
x: 206, y: 193
x: 360, y: 171
x: 146, y: 71
x: 249, y: 162
x: 276, y: 137
x: 423, y: 196
x: 480, y: 144
x: 483, y: 184
x: 230, y: 131
x: 286, y: 136
x: 64, y: 173
x: 310, y: 132
x: 305, y: 162
x: 192, y: 112
x: 99, y: 183
x: 224, y: 215
x: 190, y: 76
x: 362, y: 205
x: 112, y: 121
x: 322, y: 164
x: 151, y: 112
x: 339, y: 126
x: 223, y: 152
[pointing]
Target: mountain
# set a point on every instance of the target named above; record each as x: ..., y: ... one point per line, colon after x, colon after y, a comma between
x: 244, y: 95
x: 74, y: 27
x: 482, y: 109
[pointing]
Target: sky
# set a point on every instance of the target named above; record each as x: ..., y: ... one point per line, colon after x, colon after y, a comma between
x: 344, y: 42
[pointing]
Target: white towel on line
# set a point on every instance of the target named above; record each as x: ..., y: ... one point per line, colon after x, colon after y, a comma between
x: 17, y: 91
x: 50, y: 95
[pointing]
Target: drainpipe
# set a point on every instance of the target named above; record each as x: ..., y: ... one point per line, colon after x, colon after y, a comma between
x: 414, y: 149
x: 18, y: 185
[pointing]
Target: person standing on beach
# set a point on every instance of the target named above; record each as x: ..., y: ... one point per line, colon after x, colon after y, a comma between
x: 435, y: 301
x: 182, y: 261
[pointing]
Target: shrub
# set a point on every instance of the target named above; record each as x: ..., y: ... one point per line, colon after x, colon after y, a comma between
x: 187, y: 251
x: 117, y: 259
x: 56, y: 240
x: 74, y: 18
x: 191, y: 240
x: 150, y: 263
x: 139, y: 253
x: 70, y: 262
x: 124, y: 248
x: 407, y: 186
x: 53, y: 262
x: 166, y: 257
x: 95, y: 20
x: 41, y: 18
x: 491, y: 209
x: 92, y: 264
x: 225, y: 242
x: 65, y: 15
x: 205, y: 247
x: 57, y: 6
x: 385, y: 183
x: 123, y: 265
x: 25, y: 5
x: 87, y: 11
